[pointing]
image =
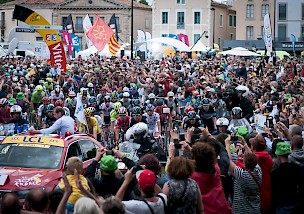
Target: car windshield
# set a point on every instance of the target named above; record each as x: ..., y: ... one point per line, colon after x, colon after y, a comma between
x: 33, y: 156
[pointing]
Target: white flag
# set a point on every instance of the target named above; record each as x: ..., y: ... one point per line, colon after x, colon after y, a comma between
x: 87, y: 24
x: 79, y: 111
x: 267, y: 36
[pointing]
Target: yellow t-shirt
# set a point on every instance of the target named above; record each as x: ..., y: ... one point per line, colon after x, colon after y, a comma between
x: 92, y: 125
x: 76, y: 194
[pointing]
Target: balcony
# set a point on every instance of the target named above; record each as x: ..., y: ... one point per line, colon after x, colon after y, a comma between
x: 180, y: 25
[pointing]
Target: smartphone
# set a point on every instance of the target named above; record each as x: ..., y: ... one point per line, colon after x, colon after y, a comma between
x: 177, y: 145
x: 182, y: 136
x: 110, y: 152
x: 270, y: 122
x: 265, y: 134
x: 234, y: 138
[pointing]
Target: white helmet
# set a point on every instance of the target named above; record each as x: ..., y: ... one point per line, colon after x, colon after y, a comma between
x: 237, y: 110
x: 140, y: 129
x: 244, y: 89
x: 151, y: 96
x: 222, y: 122
x: 170, y: 94
x: 125, y: 89
x: 90, y: 85
x: 15, y: 79
x: 16, y: 109
x: 126, y: 94
x: 66, y: 111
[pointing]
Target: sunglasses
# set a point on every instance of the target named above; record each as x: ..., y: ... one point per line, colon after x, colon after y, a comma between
x: 192, y: 119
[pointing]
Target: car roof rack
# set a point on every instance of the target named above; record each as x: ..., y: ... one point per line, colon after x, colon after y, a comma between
x: 75, y: 135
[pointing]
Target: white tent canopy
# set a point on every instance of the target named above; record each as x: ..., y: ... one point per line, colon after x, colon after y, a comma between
x: 199, y: 46
x: 239, y: 51
x: 92, y: 50
x: 180, y: 46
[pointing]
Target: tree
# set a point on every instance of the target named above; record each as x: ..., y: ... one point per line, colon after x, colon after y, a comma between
x: 143, y: 2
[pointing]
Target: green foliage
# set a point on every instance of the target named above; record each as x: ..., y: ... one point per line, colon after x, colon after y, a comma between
x: 4, y: 1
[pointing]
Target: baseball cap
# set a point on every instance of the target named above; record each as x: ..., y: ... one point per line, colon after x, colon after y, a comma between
x: 257, y: 141
x: 282, y: 149
x: 242, y: 131
x: 108, y: 163
x: 146, y: 179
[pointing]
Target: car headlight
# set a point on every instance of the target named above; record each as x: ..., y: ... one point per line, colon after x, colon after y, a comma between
x: 21, y: 194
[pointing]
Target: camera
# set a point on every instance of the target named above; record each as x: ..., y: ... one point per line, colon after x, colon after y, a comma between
x: 110, y: 152
x: 136, y: 169
x: 177, y: 145
x: 234, y: 138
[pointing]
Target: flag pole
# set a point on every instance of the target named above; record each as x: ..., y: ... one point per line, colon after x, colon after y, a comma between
x: 132, y: 16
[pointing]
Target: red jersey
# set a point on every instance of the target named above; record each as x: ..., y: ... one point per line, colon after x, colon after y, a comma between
x: 163, y: 116
x: 123, y: 124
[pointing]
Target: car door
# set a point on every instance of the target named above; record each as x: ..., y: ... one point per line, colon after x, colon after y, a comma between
x: 88, y: 149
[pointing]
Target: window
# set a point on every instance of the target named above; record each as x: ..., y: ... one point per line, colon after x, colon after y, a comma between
x: 80, y: 42
x: 230, y: 21
x: 250, y: 11
x: 302, y: 11
x: 282, y: 11
x: 265, y: 9
x: 164, y: 35
x: 117, y: 23
x: 88, y: 149
x: 221, y: 20
x: 73, y: 151
x: 38, y: 38
x: 103, y: 18
x: 78, y: 25
x: 180, y: 1
x: 147, y: 23
x: 180, y: 20
x: 197, y: 17
x: 91, y: 19
x: 64, y: 18
x: 196, y: 37
x: 262, y: 30
x: 164, y: 17
x: 249, y: 32
x: 282, y: 32
x: 234, y: 21
x: 302, y: 32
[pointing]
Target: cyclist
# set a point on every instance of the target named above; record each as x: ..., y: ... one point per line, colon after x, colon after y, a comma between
x: 92, y: 125
x: 37, y: 96
x: 106, y: 108
x: 42, y: 110
x: 151, y: 99
x: 122, y: 123
x: 193, y: 127
x: 164, y: 115
x: 207, y: 114
x: 153, y: 121
x: 91, y: 90
x: 4, y: 111
x: 56, y: 95
x: 134, y: 92
x: 92, y: 102
x: 84, y: 97
x: 49, y: 118
x: 125, y: 101
x: 48, y: 84
x: 21, y: 124
x: 244, y: 103
x: 238, y: 121
x: 98, y: 118
x: 114, y: 115
x: 172, y: 103
x: 137, y: 116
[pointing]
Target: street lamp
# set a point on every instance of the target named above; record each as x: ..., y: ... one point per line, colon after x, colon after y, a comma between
x: 132, y: 16
x: 213, y: 28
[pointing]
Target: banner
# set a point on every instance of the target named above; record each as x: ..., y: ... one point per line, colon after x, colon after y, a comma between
x: 79, y: 111
x: 184, y: 38
x: 149, y: 44
x: 141, y: 36
x: 51, y: 37
x: 293, y: 40
x: 67, y: 39
x: 267, y: 36
x: 75, y: 42
x: 68, y: 25
x: 86, y: 27
x: 114, y: 46
x: 100, y: 34
x: 173, y: 36
x: 113, y: 25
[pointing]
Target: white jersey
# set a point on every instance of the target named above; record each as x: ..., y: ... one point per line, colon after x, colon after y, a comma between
x: 42, y: 110
x: 106, y: 110
x: 152, y: 120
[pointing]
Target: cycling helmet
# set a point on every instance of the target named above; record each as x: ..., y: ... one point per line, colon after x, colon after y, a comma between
x: 50, y: 107
x: 87, y: 112
x: 222, y: 122
x: 57, y: 90
x: 159, y: 102
x: 107, y: 99
x: 126, y: 95
x: 149, y: 107
x: 66, y: 111
x: 59, y: 103
x: 32, y: 86
x: 117, y: 105
x: 15, y: 79
x: 136, y: 102
x: 90, y: 85
x: 188, y: 109
x: 243, y: 89
x: 45, y: 100
x: 69, y: 101
x: 57, y: 87
x: 192, y: 115
x: 72, y: 94
x: 170, y: 94
x: 206, y: 102
x: 140, y: 129
x: 122, y: 111
x: 92, y: 100
x: 113, y: 94
x: 125, y: 89
x: 236, y: 110
x: 39, y: 88
x: 136, y: 110
x: 151, y: 96
x: 50, y: 80
x: 16, y: 109
x: 92, y: 109
x: 3, y: 101
x: 134, y: 87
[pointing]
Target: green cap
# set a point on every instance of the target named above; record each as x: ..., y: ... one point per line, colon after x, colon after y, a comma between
x: 108, y: 163
x: 12, y: 100
x: 242, y: 131
x: 20, y: 96
x: 287, y: 96
x: 282, y: 149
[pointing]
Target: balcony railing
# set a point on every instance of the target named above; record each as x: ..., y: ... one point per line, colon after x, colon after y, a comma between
x: 180, y: 25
